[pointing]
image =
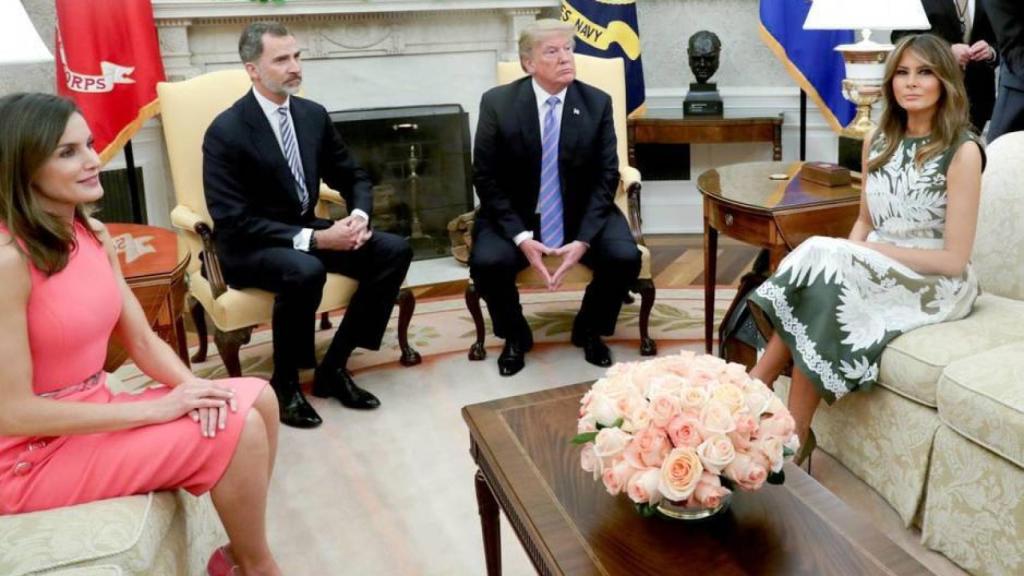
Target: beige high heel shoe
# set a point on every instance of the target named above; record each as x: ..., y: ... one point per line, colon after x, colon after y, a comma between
x: 806, y: 449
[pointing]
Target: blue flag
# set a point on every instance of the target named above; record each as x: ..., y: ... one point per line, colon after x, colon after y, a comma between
x: 809, y: 56
x: 609, y: 29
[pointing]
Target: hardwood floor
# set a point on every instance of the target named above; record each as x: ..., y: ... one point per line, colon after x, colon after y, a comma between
x: 677, y: 261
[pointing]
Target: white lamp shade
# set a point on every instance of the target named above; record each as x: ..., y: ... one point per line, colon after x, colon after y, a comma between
x: 19, y: 41
x: 859, y: 14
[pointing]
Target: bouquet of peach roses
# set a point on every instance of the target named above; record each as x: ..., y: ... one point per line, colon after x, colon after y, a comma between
x: 683, y: 429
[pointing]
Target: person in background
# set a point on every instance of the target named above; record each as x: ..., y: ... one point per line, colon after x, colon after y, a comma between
x: 833, y: 305
x: 1008, y: 20
x: 263, y: 160
x: 546, y: 171
x: 966, y: 26
x: 65, y: 437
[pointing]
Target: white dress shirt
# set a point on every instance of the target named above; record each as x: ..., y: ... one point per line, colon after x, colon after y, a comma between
x: 542, y: 111
x: 301, y: 240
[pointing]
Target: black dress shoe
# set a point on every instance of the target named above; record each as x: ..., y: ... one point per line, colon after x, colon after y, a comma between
x: 594, y: 350
x: 338, y: 384
x: 512, y: 358
x: 295, y: 411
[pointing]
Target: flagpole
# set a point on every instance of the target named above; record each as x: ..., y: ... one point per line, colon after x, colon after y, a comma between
x: 803, y: 125
x: 133, y: 184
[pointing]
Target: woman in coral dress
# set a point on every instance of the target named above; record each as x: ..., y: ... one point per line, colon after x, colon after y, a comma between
x: 834, y: 304
x: 65, y: 439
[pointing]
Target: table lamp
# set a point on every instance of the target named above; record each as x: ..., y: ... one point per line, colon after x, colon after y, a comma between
x: 865, y: 60
x: 19, y: 41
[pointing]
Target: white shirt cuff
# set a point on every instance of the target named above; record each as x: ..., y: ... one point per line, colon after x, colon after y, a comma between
x: 524, y: 235
x: 301, y: 240
x: 360, y: 213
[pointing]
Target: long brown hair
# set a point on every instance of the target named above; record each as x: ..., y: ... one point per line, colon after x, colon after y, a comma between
x: 950, y: 118
x: 31, y: 126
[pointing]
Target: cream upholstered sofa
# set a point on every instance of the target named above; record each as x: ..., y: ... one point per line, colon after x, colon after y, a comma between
x: 941, y: 437
x: 162, y: 533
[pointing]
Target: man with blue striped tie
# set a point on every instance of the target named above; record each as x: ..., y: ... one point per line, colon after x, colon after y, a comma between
x: 546, y: 171
x: 263, y: 160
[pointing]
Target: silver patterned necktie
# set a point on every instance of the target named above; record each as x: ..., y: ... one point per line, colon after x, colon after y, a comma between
x: 291, y: 154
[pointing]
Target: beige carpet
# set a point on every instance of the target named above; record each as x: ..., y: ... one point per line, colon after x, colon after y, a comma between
x: 390, y: 492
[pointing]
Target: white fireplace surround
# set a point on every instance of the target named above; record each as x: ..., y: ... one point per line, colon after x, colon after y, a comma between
x: 383, y: 53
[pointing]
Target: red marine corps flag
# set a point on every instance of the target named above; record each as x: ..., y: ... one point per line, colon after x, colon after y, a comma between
x: 108, y: 62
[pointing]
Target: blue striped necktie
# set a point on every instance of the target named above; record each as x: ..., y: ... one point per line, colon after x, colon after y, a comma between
x: 552, y: 228
x: 291, y: 153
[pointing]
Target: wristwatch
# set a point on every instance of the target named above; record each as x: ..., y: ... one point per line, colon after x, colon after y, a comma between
x: 312, y: 240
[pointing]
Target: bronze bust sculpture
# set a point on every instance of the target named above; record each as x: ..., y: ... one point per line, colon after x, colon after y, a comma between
x: 703, y: 99
x: 703, y: 50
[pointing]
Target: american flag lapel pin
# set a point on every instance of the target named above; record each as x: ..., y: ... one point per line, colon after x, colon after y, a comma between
x: 575, y: 111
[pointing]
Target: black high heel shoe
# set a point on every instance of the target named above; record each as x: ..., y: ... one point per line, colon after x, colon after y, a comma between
x: 805, y: 450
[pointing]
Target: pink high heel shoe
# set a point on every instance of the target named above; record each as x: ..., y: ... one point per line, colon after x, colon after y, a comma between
x: 221, y: 564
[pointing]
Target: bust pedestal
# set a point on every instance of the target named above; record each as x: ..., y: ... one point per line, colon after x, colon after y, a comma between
x: 702, y: 99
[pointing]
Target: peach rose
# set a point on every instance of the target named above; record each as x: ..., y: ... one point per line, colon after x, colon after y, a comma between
x: 616, y: 477
x: 610, y: 443
x: 612, y: 387
x: 729, y: 395
x: 664, y: 408
x: 648, y: 448
x: 684, y: 430
x: 745, y: 472
x: 668, y: 384
x: 642, y: 487
x: 709, y: 491
x: 639, y: 419
x: 779, y: 425
x: 757, y: 400
x: 775, y: 405
x: 679, y: 474
x: 716, y: 418
x: 590, y: 461
x: 693, y: 399
x: 716, y: 453
x: 586, y: 423
x: 735, y: 374
x: 746, y: 429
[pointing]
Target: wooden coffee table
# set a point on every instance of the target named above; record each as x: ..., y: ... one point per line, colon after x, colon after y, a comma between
x: 568, y: 524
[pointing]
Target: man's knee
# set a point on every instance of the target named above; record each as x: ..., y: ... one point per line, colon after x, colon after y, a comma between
x: 392, y: 248
x: 303, y: 274
x: 623, y: 259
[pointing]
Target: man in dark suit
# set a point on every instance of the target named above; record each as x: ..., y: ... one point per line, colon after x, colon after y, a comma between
x: 966, y: 26
x: 546, y: 171
x: 263, y: 160
x: 1008, y: 21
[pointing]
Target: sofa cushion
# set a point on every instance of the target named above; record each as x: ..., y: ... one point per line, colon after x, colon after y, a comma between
x: 912, y: 363
x: 982, y: 398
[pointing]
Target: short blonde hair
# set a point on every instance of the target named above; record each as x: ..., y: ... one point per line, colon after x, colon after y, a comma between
x: 540, y: 29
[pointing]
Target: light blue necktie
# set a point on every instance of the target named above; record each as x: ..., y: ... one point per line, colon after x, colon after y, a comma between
x: 552, y: 228
x: 291, y: 153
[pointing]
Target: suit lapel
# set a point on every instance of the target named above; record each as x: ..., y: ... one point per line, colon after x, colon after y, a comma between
x: 267, y: 148
x: 572, y: 115
x: 529, y: 123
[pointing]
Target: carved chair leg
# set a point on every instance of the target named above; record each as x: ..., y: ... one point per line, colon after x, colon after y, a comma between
x: 325, y: 321
x: 228, y: 344
x: 406, y: 307
x: 477, y: 350
x: 199, y: 320
x: 646, y: 288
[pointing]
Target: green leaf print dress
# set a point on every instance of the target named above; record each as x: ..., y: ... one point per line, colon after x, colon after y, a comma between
x: 836, y: 304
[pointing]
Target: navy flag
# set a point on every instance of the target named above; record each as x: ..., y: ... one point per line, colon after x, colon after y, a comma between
x: 609, y: 29
x: 809, y: 56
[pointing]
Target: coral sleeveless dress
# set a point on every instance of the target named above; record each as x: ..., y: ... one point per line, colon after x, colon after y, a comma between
x: 70, y: 317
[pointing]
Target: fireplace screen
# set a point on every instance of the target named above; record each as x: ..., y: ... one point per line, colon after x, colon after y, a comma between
x: 418, y: 158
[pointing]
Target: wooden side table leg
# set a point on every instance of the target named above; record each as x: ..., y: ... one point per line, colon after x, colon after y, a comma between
x: 489, y: 524
x: 710, y: 272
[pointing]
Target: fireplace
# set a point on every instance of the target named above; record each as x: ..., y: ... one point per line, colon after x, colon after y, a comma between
x: 418, y: 158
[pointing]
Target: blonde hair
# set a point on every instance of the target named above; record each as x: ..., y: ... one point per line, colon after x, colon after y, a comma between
x: 950, y: 118
x: 540, y: 29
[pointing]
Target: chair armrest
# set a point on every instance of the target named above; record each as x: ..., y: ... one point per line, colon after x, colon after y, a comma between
x: 630, y: 185
x: 184, y: 218
x: 328, y: 194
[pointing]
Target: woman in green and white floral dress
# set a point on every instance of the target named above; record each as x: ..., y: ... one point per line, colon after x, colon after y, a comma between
x: 834, y: 304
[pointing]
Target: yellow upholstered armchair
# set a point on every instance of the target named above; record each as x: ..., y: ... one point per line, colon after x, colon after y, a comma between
x: 188, y: 108
x: 608, y: 75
